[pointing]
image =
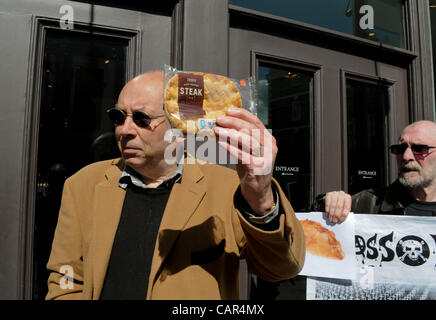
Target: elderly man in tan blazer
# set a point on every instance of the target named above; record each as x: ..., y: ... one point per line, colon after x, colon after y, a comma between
x: 140, y: 227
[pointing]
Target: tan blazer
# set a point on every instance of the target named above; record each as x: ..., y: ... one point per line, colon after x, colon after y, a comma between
x: 201, y: 238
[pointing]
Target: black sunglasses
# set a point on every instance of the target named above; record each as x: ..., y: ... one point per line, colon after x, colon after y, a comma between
x: 140, y: 118
x: 417, y: 149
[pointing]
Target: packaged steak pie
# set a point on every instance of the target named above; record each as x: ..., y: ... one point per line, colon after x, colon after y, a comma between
x: 193, y: 100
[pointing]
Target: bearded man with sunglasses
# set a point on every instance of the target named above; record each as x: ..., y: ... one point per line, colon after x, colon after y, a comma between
x: 413, y: 193
x: 140, y: 227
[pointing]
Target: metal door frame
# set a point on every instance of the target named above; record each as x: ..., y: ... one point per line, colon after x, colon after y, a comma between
x: 316, y: 70
x: 389, y: 126
x: 150, y: 35
x: 40, y: 28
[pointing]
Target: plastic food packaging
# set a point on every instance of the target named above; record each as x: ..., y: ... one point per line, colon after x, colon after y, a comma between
x: 193, y: 100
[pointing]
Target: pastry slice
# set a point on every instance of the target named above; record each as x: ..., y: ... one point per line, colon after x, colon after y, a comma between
x: 320, y: 241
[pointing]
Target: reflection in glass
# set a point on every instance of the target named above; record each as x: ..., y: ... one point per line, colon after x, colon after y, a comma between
x: 367, y: 108
x: 285, y: 106
x: 341, y: 15
x: 82, y: 77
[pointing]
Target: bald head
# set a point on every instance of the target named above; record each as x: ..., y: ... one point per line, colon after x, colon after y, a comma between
x: 423, y: 132
x: 423, y: 123
x: 144, y: 90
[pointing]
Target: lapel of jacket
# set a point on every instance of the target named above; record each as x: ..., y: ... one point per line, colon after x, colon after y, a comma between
x: 184, y: 199
x: 109, y: 199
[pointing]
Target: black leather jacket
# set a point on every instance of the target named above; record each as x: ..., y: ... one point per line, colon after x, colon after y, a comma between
x: 386, y: 200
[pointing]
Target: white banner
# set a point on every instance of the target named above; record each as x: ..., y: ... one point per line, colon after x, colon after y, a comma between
x: 395, y: 259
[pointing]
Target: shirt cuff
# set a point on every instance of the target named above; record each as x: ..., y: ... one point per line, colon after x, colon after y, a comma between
x: 268, y: 221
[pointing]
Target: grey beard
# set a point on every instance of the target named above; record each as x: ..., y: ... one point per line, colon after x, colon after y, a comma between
x: 423, y: 181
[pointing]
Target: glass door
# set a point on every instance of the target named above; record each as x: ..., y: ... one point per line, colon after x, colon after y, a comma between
x: 82, y: 76
x: 333, y: 113
x: 80, y: 72
x: 64, y: 64
x: 286, y: 107
x: 367, y: 107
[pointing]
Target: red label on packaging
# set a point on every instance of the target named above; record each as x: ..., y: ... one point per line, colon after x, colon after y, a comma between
x: 191, y: 94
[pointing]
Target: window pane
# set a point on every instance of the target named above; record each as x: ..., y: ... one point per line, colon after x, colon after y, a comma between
x: 340, y: 15
x: 82, y: 77
x: 285, y: 106
x: 367, y: 107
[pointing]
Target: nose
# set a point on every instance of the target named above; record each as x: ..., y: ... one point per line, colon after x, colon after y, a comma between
x: 128, y: 128
x: 408, y: 155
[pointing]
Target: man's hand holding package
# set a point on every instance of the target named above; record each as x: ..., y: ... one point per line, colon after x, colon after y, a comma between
x: 245, y: 137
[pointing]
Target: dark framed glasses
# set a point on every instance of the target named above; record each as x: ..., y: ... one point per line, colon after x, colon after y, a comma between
x: 417, y: 149
x: 140, y: 118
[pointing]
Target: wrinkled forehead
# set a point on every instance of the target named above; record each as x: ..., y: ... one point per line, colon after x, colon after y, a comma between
x: 419, y: 134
